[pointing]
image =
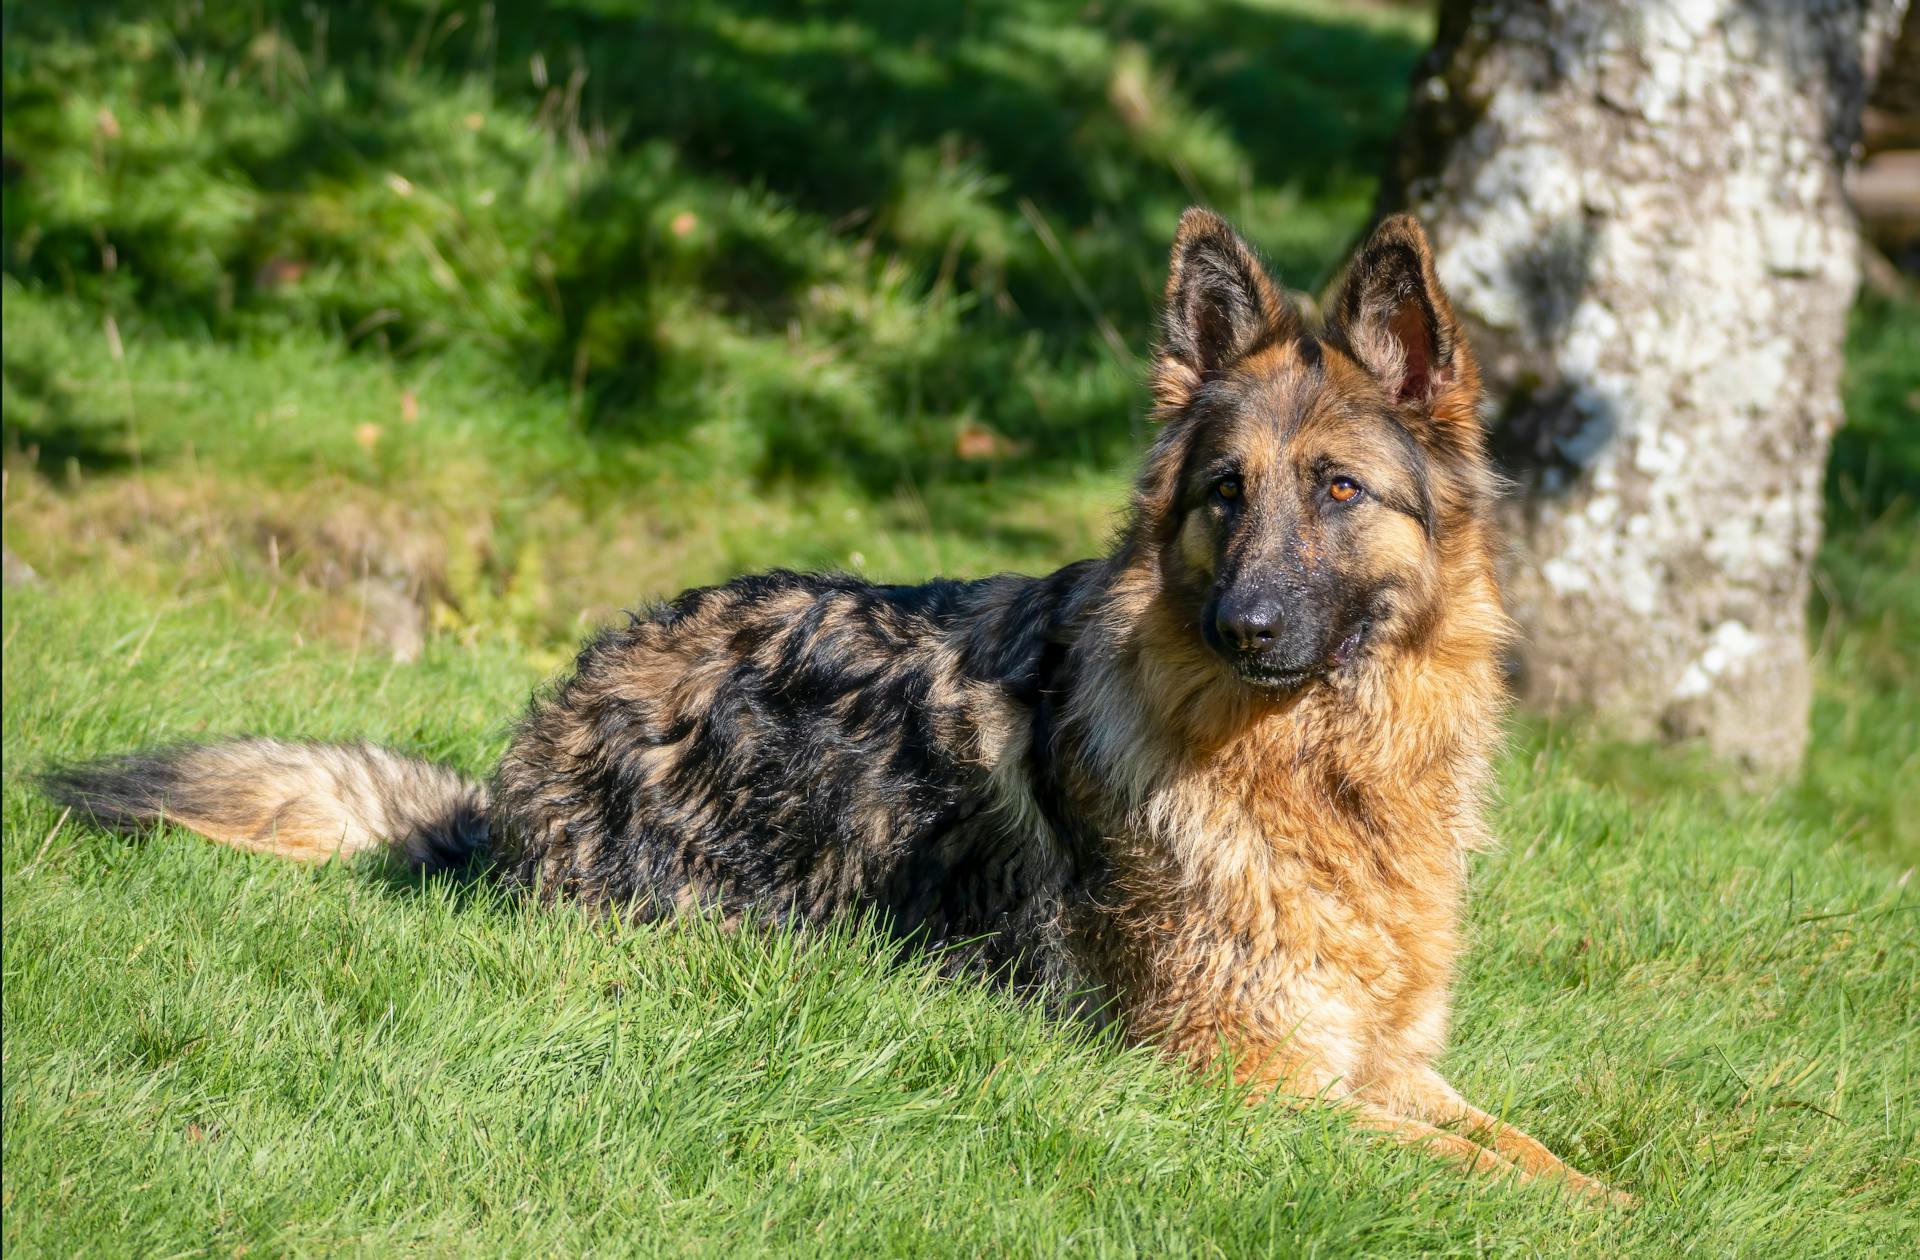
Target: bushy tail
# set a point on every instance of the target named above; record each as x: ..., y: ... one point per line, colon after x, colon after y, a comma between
x: 308, y: 802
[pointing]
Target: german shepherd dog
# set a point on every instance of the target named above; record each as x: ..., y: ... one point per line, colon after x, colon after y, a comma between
x: 1220, y: 785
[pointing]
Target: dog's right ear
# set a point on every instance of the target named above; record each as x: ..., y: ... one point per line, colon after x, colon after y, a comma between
x: 1220, y: 304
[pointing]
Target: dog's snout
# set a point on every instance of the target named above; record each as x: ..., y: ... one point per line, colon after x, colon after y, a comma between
x: 1250, y: 626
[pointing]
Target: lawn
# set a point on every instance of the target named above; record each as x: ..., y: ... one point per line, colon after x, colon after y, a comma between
x: 358, y: 358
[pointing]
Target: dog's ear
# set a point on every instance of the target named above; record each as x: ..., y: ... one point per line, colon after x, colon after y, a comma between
x: 1220, y: 304
x: 1390, y: 313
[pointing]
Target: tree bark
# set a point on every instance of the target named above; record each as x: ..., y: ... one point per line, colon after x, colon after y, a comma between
x: 1639, y: 207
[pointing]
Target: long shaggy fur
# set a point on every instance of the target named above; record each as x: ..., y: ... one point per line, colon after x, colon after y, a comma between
x: 1218, y: 785
x: 306, y: 801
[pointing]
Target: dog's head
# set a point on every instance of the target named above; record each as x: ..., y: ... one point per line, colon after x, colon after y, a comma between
x: 1309, y: 484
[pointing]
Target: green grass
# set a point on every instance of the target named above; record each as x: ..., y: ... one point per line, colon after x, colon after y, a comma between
x: 382, y: 306
x: 208, y: 1051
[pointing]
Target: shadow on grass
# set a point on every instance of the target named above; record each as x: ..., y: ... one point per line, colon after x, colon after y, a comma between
x: 852, y: 228
x: 1875, y: 465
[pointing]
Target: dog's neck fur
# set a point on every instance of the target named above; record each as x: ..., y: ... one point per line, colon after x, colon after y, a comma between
x: 1221, y: 806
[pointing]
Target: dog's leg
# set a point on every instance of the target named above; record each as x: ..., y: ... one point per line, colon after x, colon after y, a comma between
x: 1424, y: 1093
x: 1296, y: 1082
x: 1408, y: 1109
x: 1449, y: 1146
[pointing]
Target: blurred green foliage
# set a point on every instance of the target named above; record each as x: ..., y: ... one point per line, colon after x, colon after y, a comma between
x: 794, y: 236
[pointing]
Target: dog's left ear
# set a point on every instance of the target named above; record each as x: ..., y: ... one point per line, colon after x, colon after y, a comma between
x: 1390, y: 313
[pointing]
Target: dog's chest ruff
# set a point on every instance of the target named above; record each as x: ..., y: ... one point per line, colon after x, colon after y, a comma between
x: 1285, y: 900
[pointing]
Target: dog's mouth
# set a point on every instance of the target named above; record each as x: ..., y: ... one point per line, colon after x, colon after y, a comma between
x: 1278, y: 681
x: 1283, y: 679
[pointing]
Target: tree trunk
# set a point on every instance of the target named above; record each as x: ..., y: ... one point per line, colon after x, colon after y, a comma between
x: 1638, y: 205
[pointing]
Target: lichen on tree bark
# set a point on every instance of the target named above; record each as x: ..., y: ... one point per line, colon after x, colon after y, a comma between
x: 1639, y: 207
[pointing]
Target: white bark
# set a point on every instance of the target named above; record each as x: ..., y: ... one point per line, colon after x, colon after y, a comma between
x: 1639, y: 207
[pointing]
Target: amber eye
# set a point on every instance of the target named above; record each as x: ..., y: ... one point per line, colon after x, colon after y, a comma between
x: 1228, y: 488
x: 1343, y: 489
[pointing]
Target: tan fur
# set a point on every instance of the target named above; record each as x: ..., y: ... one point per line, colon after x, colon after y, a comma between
x: 1295, y: 900
x: 1292, y: 871
x: 310, y: 802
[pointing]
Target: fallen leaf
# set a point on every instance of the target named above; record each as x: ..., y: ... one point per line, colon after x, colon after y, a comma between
x: 975, y: 441
x: 277, y: 272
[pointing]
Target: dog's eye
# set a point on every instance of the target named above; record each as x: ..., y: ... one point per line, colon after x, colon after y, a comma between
x: 1227, y: 488
x: 1341, y: 489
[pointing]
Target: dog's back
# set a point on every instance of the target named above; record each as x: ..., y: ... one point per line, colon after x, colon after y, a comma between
x: 802, y: 745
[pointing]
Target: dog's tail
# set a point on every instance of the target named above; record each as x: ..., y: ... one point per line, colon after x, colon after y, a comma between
x: 308, y: 802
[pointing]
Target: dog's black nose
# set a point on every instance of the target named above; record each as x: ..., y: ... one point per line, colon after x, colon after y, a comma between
x: 1249, y: 627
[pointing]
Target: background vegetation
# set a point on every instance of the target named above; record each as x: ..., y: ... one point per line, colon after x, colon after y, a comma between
x: 358, y: 357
